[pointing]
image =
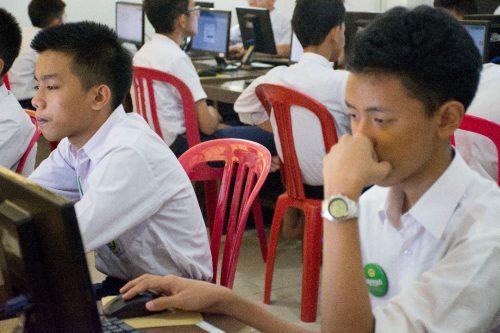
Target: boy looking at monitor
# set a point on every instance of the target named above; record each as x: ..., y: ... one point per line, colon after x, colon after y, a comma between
x: 173, y: 20
x: 43, y: 14
x: 420, y: 250
x: 135, y: 205
x: 16, y: 128
x: 319, y: 26
x: 282, y: 29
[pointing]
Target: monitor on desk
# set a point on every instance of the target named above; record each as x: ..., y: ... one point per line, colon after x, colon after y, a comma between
x: 43, y: 257
x: 355, y: 22
x: 213, y: 33
x: 256, y: 29
x: 130, y: 23
x: 494, y: 35
x: 480, y: 33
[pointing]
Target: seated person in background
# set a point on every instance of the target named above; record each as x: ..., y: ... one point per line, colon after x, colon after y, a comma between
x: 457, y: 8
x: 173, y: 20
x: 282, y: 30
x: 497, y: 11
x: 43, y: 14
x: 135, y: 205
x: 479, y: 152
x: 16, y: 128
x: 430, y: 224
x: 319, y: 26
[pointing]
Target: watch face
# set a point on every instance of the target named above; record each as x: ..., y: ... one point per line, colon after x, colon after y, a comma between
x: 338, y: 208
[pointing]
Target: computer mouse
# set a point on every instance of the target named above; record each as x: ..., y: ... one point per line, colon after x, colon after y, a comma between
x: 134, y: 307
x: 207, y: 72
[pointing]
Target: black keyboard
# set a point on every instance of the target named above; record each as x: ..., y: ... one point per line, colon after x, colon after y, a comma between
x: 115, y: 325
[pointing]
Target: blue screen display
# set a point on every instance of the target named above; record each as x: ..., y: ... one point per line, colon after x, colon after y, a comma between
x: 213, y: 28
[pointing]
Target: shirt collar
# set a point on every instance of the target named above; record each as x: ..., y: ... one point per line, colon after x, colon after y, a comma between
x: 92, y: 147
x: 314, y: 57
x: 165, y: 39
x: 434, y: 209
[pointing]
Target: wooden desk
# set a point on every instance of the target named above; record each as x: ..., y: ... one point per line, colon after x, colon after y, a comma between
x: 224, y: 91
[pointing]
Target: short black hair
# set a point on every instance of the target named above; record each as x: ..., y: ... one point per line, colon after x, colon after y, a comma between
x: 97, y: 56
x: 462, y: 7
x: 10, y: 39
x: 313, y: 19
x: 431, y: 53
x: 42, y: 12
x: 163, y: 13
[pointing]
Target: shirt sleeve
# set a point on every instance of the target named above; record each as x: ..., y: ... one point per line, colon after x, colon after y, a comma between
x: 235, y: 35
x: 460, y: 294
x: 248, y: 106
x: 57, y: 174
x: 115, y: 201
x: 284, y: 33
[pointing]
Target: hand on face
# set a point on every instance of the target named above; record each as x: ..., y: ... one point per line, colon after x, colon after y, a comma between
x: 180, y: 293
x: 351, y: 165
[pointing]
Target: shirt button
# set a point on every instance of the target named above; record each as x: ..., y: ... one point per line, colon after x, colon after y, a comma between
x: 407, y: 252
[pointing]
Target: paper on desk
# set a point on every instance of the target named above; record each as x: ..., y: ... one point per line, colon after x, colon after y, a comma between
x: 166, y: 318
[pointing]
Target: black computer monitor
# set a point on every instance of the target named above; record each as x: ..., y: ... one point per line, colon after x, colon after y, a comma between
x: 40, y: 234
x: 494, y: 40
x: 354, y: 23
x: 213, y: 33
x: 130, y: 23
x: 256, y: 30
x: 480, y: 33
x: 204, y: 4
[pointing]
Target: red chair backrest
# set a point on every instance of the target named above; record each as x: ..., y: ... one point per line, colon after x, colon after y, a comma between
x: 34, y: 138
x: 6, y: 81
x: 277, y: 100
x: 246, y: 165
x: 484, y: 127
x: 142, y: 84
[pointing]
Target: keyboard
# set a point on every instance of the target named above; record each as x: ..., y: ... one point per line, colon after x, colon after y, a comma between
x: 115, y: 325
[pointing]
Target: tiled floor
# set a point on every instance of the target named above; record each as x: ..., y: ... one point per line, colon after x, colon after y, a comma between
x: 286, y: 292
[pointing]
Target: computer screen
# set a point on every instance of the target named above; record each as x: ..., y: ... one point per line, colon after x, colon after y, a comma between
x: 256, y: 29
x: 494, y: 40
x: 355, y: 22
x: 480, y: 33
x: 204, y: 4
x: 130, y: 22
x: 40, y: 232
x: 296, y: 49
x: 213, y: 33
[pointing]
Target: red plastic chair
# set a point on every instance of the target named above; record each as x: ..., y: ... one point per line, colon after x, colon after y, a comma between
x: 277, y: 101
x: 6, y: 81
x: 34, y: 138
x: 484, y: 127
x: 143, y: 78
x: 246, y: 165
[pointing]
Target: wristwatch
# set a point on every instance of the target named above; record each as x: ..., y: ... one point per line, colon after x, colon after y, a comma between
x: 339, y: 208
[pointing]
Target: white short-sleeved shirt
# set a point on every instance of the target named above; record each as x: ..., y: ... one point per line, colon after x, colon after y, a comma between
x: 138, y: 210
x: 282, y: 29
x: 441, y: 258
x: 16, y: 132
x: 497, y: 11
x: 314, y: 76
x: 22, y: 72
x: 162, y: 53
x: 478, y: 151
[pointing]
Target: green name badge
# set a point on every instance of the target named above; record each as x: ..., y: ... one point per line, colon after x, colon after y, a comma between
x: 376, y: 280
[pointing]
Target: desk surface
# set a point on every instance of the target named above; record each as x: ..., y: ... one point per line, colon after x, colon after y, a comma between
x: 224, y: 91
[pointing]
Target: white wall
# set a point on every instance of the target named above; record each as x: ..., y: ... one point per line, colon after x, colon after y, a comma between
x: 103, y: 10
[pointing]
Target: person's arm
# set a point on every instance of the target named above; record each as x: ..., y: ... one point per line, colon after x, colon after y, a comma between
x: 209, y: 119
x: 283, y: 50
x: 345, y: 304
x: 192, y: 295
x: 250, y: 109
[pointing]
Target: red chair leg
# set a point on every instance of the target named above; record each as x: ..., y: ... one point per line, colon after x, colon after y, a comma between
x: 311, y: 255
x: 259, y: 225
x: 211, y: 196
x: 279, y: 211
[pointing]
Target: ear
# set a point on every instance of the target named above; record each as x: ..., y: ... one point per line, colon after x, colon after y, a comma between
x: 449, y: 117
x: 181, y: 21
x: 101, y: 95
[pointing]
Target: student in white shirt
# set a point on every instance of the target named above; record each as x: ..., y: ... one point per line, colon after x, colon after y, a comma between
x: 282, y: 29
x: 135, y: 205
x: 497, y: 11
x: 173, y: 20
x: 321, y: 33
x: 479, y: 152
x: 16, y: 128
x: 43, y: 14
x: 429, y: 227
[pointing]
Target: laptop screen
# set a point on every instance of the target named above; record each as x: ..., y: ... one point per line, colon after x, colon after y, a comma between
x: 479, y: 31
